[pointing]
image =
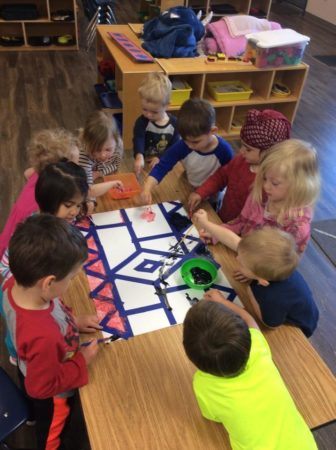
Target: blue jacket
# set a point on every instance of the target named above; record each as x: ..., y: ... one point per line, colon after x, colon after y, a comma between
x: 173, y: 34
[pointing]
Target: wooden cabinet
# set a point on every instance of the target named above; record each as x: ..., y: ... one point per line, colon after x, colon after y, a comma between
x: 197, y: 72
x: 44, y: 32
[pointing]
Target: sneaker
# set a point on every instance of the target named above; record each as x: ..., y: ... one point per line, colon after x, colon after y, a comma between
x: 13, y: 360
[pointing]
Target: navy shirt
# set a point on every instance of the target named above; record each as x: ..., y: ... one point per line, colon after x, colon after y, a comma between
x: 152, y: 139
x: 287, y: 301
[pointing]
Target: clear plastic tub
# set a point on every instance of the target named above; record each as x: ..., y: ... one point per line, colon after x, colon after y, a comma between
x: 275, y: 48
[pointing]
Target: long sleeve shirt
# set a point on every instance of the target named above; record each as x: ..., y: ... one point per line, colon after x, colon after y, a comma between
x: 151, y: 139
x: 237, y: 177
x: 198, y: 166
x: 46, y: 342
x: 255, y: 215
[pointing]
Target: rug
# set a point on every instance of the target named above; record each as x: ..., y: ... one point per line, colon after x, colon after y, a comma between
x: 324, y: 234
x: 329, y: 60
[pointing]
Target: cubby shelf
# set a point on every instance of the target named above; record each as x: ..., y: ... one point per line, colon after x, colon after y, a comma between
x: 43, y: 26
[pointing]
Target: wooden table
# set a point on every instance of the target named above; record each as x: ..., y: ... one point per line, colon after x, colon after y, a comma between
x: 140, y: 391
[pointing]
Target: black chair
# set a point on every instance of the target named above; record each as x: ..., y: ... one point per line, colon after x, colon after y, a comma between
x: 13, y: 408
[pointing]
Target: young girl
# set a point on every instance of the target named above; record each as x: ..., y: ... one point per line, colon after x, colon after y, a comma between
x: 284, y: 192
x: 45, y: 147
x: 61, y: 190
x: 101, y: 152
x: 261, y: 130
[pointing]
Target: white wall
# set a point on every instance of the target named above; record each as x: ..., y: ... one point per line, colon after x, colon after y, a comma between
x: 325, y: 9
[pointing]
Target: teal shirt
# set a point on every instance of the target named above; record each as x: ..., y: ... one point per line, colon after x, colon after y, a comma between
x: 255, y: 407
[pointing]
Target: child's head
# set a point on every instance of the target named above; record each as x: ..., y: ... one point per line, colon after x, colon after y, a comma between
x: 268, y: 254
x: 100, y: 136
x: 154, y: 92
x: 261, y: 130
x: 216, y: 340
x: 50, y: 146
x: 61, y: 190
x: 46, y: 251
x: 196, y: 123
x: 289, y: 175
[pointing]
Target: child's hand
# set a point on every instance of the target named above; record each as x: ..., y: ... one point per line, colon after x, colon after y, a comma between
x: 146, y: 197
x: 214, y: 295
x: 117, y: 184
x: 193, y: 201
x: 90, y: 205
x: 28, y: 173
x: 237, y: 275
x: 88, y: 323
x: 153, y: 162
x: 90, y: 351
x: 200, y: 217
x: 206, y: 237
x: 139, y: 164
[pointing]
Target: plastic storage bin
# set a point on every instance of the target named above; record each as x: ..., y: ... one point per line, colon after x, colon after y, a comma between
x: 131, y: 185
x: 227, y: 91
x: 276, y: 48
x: 180, y: 93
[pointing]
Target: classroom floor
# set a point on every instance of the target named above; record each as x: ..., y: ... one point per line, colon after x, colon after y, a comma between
x: 50, y: 89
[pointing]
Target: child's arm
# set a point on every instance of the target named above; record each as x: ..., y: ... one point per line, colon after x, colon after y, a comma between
x: 216, y: 296
x: 215, y: 183
x: 139, y: 131
x: 28, y: 172
x: 98, y: 189
x: 224, y: 235
x: 146, y: 194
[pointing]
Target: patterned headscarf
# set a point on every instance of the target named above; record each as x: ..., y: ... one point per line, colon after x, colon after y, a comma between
x: 262, y: 129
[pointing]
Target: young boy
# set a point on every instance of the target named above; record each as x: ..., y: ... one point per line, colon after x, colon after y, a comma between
x: 260, y: 131
x: 237, y: 382
x: 268, y: 256
x: 201, y: 151
x: 45, y: 253
x: 155, y: 130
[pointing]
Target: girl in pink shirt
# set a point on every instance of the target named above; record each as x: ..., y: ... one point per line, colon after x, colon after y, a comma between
x: 284, y: 192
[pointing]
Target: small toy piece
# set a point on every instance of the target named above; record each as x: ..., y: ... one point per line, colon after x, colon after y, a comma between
x: 221, y: 56
x: 211, y: 59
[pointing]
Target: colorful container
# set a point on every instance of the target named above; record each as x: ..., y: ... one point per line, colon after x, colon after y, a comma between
x: 284, y: 47
x: 227, y: 91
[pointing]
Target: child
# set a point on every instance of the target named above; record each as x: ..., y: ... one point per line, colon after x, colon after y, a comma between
x: 155, y: 130
x: 260, y: 131
x: 285, y: 189
x: 268, y: 255
x: 237, y: 383
x: 61, y: 190
x: 201, y: 151
x: 46, y: 147
x: 101, y: 153
x: 45, y: 253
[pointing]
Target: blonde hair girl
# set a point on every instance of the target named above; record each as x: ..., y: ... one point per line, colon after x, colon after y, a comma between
x: 284, y: 192
x: 101, y: 151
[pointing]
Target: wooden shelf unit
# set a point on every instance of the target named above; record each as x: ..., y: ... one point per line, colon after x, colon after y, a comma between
x: 43, y: 26
x: 242, y: 6
x: 128, y: 76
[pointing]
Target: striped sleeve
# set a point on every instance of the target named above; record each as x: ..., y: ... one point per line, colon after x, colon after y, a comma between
x: 87, y: 164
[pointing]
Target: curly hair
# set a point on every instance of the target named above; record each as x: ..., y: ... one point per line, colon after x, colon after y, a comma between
x: 50, y: 146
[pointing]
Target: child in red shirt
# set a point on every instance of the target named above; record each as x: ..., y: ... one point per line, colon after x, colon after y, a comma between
x: 260, y: 131
x: 45, y: 253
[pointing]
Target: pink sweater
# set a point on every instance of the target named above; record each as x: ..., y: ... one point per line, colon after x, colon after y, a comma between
x: 24, y: 206
x: 254, y: 216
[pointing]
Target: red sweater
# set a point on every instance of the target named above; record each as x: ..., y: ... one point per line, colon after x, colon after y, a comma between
x: 47, y: 343
x: 238, y: 178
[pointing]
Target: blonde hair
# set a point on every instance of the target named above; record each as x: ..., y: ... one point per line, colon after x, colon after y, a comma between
x: 295, y: 161
x: 156, y: 88
x: 269, y: 253
x: 99, y: 127
x: 50, y: 146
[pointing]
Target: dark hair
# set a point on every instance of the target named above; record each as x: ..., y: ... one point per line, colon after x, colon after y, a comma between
x: 216, y: 339
x: 196, y: 117
x: 58, y: 183
x: 45, y: 245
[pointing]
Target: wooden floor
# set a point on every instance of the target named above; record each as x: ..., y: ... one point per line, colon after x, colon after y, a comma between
x: 49, y: 89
